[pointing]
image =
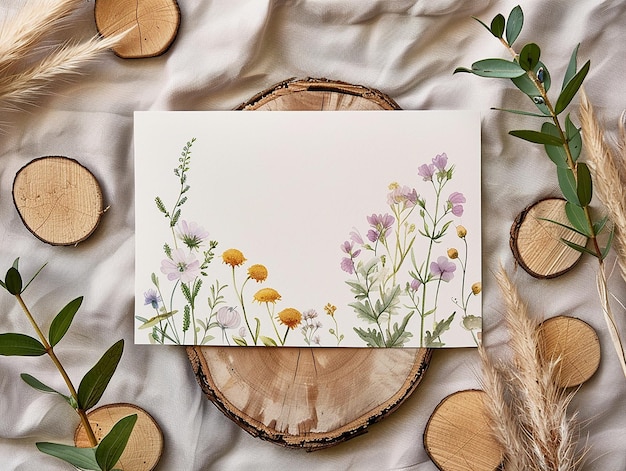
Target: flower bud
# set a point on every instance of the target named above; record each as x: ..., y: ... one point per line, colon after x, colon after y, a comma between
x: 477, y: 287
x: 453, y: 253
x: 461, y: 231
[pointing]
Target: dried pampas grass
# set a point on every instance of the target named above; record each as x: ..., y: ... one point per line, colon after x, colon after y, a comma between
x: 30, y: 59
x: 527, y: 410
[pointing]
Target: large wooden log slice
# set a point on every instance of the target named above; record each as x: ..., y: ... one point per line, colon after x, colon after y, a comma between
x: 309, y: 398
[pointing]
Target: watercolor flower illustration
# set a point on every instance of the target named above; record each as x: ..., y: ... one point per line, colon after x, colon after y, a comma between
x: 181, y: 266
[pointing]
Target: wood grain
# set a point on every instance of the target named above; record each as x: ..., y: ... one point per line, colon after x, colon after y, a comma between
x: 145, y: 445
x: 576, y: 345
x: 151, y: 25
x: 536, y: 241
x: 309, y: 398
x: 58, y: 199
x: 458, y: 436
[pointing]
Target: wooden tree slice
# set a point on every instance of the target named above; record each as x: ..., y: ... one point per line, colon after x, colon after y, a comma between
x: 536, y: 242
x: 309, y: 398
x: 576, y: 344
x: 458, y: 436
x: 151, y: 25
x: 145, y: 445
x: 58, y: 199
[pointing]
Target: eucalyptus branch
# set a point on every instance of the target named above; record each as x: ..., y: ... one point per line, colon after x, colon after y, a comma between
x: 562, y: 142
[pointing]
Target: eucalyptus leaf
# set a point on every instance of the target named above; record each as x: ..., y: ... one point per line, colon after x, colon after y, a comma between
x: 112, y: 446
x: 483, y: 23
x: 571, y: 67
x: 576, y: 216
x: 20, y: 345
x: 599, y: 226
x: 494, y: 68
x: 584, y: 187
x: 97, y: 379
x: 521, y: 112
x: 565, y: 226
x: 13, y: 281
x: 573, y: 138
x: 556, y: 153
x: 514, y: 24
x: 39, y: 386
x: 497, y: 26
x: 578, y: 248
x: 527, y: 86
x: 567, y: 183
x: 529, y: 56
x: 61, y: 323
x: 570, y: 90
x: 84, y: 458
x: 536, y: 137
x: 605, y: 250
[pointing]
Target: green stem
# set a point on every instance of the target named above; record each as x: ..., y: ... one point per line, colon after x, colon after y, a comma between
x: 50, y: 351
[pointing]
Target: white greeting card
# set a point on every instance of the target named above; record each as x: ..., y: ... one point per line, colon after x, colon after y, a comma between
x: 342, y: 229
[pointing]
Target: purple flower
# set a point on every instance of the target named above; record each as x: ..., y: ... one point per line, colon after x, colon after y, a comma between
x: 151, y: 297
x: 440, y: 161
x: 182, y: 266
x: 356, y: 237
x: 348, y: 247
x: 404, y: 195
x: 347, y: 265
x: 310, y: 314
x: 192, y: 234
x: 228, y: 318
x: 426, y: 171
x: 381, y: 225
x: 443, y: 268
x: 415, y: 284
x: 455, y: 201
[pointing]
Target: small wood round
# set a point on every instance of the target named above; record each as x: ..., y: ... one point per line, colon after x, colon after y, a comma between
x: 458, y: 436
x: 309, y: 398
x: 145, y: 445
x: 536, y: 241
x: 58, y: 199
x: 152, y: 25
x: 576, y: 344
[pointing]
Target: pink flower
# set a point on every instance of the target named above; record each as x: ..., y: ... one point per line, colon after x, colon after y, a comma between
x: 182, y: 266
x: 440, y: 161
x: 356, y: 237
x: 415, y: 284
x: 347, y: 265
x: 426, y: 171
x: 404, y: 195
x: 228, y: 318
x: 381, y: 225
x: 192, y: 234
x: 455, y: 201
x: 443, y: 268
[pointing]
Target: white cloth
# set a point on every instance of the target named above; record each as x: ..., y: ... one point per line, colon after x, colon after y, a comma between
x: 225, y: 52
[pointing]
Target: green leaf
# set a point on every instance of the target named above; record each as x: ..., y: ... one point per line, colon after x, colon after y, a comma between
x: 599, y: 225
x: 112, y: 446
x: 371, y: 337
x: 537, y: 137
x: 573, y: 138
x: 584, y: 190
x: 578, y: 248
x: 268, y: 342
x: 497, y: 26
x: 13, y: 281
x: 97, y: 379
x: 529, y: 56
x: 576, y: 215
x: 514, y: 24
x: 84, y: 458
x: 61, y: 323
x: 39, y: 386
x: 240, y: 341
x: 565, y: 226
x: 556, y: 153
x: 571, y: 67
x: 605, y: 250
x: 20, y: 345
x: 528, y: 87
x: 156, y: 320
x: 525, y: 113
x: 570, y: 90
x: 495, y: 68
x: 567, y: 183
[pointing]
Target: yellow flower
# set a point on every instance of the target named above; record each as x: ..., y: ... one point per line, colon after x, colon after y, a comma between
x: 453, y: 253
x: 394, y: 185
x: 477, y: 287
x: 233, y: 257
x: 330, y: 309
x: 290, y: 317
x: 461, y: 231
x: 267, y: 295
x: 257, y: 272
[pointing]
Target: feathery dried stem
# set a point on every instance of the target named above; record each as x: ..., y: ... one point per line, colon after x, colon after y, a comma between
x: 24, y: 87
x: 528, y: 410
x: 19, y: 35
